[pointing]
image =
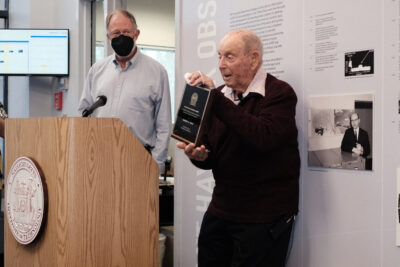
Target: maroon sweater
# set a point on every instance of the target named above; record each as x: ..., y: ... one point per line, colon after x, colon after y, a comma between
x: 253, y: 154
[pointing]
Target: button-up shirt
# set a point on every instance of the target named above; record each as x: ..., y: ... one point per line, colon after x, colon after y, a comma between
x: 138, y: 95
x: 257, y: 85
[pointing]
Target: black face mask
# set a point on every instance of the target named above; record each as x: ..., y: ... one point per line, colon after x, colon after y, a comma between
x: 122, y: 45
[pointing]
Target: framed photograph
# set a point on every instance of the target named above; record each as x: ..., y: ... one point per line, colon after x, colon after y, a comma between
x: 340, y: 132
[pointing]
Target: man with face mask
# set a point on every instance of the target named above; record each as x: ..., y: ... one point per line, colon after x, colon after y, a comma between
x: 136, y: 87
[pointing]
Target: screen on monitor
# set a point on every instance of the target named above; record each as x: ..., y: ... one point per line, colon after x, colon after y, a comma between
x: 34, y: 52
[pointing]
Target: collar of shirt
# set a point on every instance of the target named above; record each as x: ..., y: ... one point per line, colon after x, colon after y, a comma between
x: 132, y: 61
x: 257, y: 85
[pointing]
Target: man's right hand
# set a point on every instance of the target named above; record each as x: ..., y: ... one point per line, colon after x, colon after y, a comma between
x: 199, y: 78
x: 199, y: 153
x: 358, y: 149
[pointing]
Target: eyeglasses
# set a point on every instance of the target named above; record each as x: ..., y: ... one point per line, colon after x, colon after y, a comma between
x: 118, y: 33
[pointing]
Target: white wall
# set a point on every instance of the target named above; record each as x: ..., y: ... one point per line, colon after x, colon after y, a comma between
x: 18, y: 87
x: 100, y: 23
x: 155, y: 19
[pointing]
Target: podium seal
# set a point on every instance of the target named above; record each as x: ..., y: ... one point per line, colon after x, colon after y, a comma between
x: 25, y: 200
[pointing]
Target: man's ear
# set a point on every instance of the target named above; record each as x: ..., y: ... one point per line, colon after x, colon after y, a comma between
x: 254, y: 59
x: 137, y: 34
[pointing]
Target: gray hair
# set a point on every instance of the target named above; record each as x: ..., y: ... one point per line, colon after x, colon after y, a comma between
x: 125, y: 13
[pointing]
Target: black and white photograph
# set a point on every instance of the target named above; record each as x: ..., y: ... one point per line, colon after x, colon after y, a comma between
x: 359, y: 63
x: 340, y: 132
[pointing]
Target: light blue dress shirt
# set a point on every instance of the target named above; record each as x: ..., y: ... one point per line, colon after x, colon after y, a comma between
x: 138, y: 95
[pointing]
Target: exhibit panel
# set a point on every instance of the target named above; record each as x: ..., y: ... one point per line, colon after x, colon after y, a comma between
x: 199, y: 30
x: 391, y: 130
x: 342, y: 75
x: 201, y: 26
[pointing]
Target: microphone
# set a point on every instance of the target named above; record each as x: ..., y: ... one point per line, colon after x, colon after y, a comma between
x: 101, y: 101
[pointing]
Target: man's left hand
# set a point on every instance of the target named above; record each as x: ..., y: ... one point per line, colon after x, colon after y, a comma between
x: 360, y: 148
x: 199, y: 153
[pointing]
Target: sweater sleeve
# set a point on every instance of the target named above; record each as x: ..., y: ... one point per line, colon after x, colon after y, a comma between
x: 205, y: 165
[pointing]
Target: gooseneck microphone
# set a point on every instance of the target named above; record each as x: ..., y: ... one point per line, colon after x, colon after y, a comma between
x: 101, y: 101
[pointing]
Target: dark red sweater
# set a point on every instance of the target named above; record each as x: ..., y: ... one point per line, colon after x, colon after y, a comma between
x: 253, y: 154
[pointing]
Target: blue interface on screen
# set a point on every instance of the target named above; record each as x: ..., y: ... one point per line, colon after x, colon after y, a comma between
x: 34, y: 52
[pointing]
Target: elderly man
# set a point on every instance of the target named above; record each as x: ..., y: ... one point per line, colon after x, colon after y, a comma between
x: 250, y: 144
x: 136, y: 87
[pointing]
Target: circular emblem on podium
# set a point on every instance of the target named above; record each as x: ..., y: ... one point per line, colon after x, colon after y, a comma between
x: 24, y: 200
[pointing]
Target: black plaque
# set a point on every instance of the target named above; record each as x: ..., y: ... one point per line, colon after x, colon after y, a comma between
x: 193, y: 110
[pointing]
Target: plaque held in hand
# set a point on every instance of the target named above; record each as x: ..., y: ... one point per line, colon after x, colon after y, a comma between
x: 192, y: 113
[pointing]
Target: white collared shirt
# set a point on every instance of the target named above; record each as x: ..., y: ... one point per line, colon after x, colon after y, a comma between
x: 138, y: 95
x: 257, y: 85
x: 356, y: 133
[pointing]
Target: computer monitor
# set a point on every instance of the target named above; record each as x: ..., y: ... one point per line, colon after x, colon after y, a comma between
x: 34, y: 52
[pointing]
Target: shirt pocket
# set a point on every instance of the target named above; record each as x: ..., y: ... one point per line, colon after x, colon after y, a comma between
x: 140, y: 102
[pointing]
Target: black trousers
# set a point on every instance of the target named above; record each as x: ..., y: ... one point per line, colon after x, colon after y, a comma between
x: 229, y: 244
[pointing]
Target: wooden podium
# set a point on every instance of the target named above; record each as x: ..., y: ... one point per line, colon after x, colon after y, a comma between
x: 102, y: 193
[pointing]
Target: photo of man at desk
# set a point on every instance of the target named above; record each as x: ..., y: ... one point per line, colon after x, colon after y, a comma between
x: 340, y: 132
